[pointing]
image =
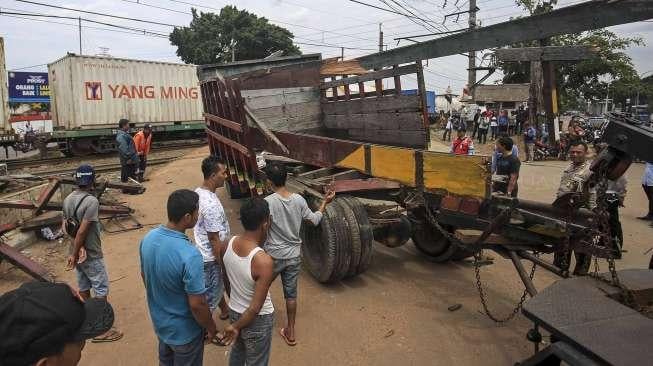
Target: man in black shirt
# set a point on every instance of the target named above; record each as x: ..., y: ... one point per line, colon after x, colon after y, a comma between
x: 507, y: 168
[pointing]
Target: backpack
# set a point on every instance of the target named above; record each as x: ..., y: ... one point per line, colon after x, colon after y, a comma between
x: 72, y: 223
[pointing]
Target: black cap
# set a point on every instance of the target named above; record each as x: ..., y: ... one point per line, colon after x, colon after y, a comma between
x: 39, y: 318
x: 147, y: 126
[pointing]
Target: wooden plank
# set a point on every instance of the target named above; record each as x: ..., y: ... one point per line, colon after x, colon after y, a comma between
x: 373, y: 75
x: 334, y: 89
x: 375, y: 121
x: 254, y: 93
x: 361, y: 89
x: 289, y: 110
x: 570, y: 19
x: 397, y: 81
x: 268, y: 101
x: 266, y: 131
x: 501, y: 93
x: 547, y: 53
x: 464, y: 175
x: 393, y: 103
x: 413, y: 139
x: 368, y: 184
x: 333, y: 67
x: 290, y: 76
x: 421, y: 87
x: 224, y: 122
x: 294, y: 124
x: 233, y: 144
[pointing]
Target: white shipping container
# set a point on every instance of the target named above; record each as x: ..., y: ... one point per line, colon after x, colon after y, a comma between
x: 5, y: 126
x: 95, y: 92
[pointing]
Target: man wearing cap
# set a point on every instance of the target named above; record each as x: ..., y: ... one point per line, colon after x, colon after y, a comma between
x: 143, y: 140
x: 129, y: 160
x: 86, y: 252
x: 43, y: 323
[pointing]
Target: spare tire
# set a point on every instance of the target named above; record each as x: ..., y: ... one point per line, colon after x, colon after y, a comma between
x: 319, y: 246
x: 365, y: 233
x: 354, y: 236
x: 430, y: 241
x: 343, y: 243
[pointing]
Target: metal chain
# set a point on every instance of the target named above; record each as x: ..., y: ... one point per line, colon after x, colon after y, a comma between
x: 477, y: 271
x: 483, y: 296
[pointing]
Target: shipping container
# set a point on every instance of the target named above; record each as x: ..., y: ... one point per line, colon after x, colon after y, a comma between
x: 430, y: 99
x: 5, y: 127
x: 95, y: 92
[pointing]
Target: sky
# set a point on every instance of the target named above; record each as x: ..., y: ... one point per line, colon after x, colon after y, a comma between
x: 319, y: 26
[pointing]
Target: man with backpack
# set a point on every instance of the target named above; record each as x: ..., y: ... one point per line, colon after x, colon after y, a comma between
x: 81, y: 222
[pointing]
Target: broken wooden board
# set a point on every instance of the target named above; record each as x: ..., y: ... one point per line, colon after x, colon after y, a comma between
x: 290, y: 76
x: 377, y: 121
x: 391, y: 103
x: 21, y: 261
x: 332, y: 67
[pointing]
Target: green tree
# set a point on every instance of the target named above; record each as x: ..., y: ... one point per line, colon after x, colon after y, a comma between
x: 588, y: 79
x: 211, y: 37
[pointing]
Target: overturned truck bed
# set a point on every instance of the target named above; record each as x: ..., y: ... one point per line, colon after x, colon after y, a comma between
x: 338, y: 126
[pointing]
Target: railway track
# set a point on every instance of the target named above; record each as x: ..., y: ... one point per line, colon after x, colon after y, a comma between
x: 101, y: 168
x: 17, y: 164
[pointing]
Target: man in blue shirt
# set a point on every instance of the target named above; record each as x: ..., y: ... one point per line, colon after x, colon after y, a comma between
x: 129, y: 160
x: 172, y: 271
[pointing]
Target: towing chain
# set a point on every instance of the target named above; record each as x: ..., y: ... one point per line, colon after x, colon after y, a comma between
x: 477, y: 271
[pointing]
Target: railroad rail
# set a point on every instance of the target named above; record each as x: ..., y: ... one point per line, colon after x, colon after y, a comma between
x: 16, y: 164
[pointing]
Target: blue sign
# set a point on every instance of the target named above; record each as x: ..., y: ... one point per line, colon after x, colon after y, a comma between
x: 29, y: 87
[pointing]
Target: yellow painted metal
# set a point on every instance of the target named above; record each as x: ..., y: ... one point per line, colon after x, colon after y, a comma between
x: 355, y: 160
x: 461, y: 175
x: 393, y: 162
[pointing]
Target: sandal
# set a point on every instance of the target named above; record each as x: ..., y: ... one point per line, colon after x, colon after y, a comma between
x: 111, y: 336
x: 290, y: 342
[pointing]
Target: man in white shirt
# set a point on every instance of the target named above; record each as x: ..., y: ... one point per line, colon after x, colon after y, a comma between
x: 211, y: 231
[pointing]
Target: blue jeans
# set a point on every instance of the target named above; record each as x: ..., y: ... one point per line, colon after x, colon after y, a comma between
x: 213, y: 284
x: 190, y: 354
x: 92, y: 274
x: 289, y: 271
x: 252, y: 348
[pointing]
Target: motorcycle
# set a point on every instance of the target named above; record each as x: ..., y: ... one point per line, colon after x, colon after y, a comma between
x: 542, y: 151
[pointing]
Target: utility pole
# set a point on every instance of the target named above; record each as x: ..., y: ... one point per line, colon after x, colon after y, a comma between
x: 471, y: 68
x: 342, y: 53
x: 79, y: 26
x: 380, y: 38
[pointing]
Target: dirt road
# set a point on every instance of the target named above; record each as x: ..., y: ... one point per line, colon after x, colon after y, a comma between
x: 395, y: 313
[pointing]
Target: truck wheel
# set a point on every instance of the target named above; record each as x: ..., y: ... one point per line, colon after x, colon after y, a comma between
x: 395, y: 234
x: 365, y: 234
x: 326, y: 248
x: 354, y: 236
x: 430, y: 242
x: 343, y: 243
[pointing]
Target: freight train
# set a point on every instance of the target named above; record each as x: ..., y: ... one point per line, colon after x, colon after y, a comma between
x: 89, y: 94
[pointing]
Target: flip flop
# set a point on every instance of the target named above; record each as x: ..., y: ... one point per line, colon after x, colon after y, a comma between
x: 289, y: 342
x: 111, y: 336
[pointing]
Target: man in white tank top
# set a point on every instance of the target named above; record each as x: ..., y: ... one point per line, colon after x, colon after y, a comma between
x: 249, y: 275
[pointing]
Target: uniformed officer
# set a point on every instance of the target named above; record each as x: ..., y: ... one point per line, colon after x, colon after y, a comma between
x: 574, y: 180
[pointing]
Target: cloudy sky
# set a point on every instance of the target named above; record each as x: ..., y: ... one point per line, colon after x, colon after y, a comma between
x: 318, y: 25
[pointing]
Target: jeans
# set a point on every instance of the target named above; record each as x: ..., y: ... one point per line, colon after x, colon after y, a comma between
x: 141, y: 166
x: 529, y: 147
x: 213, y: 284
x: 190, y: 354
x: 252, y: 348
x: 482, y: 135
x: 447, y: 131
x: 127, y: 171
x: 494, y: 131
x: 92, y: 274
x: 289, y: 271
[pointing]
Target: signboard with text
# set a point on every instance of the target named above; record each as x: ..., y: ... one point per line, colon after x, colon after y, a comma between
x: 28, y: 87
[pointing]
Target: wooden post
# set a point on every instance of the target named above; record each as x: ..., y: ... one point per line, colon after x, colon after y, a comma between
x: 397, y: 81
x: 421, y: 87
x: 548, y: 95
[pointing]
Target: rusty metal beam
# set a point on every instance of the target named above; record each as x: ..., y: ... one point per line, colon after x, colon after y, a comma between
x: 46, y: 194
x: 370, y: 184
x: 224, y: 122
x: 57, y: 206
x: 19, y: 260
x: 547, y: 53
x: 242, y: 149
x: 571, y: 19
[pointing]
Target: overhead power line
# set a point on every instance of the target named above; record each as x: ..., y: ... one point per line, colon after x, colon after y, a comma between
x: 100, y: 14
x: 139, y: 2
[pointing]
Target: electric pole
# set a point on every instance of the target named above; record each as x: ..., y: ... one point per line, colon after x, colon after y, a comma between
x: 380, y: 38
x: 471, y: 68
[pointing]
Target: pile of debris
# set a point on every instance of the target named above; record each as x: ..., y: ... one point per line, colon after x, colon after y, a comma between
x: 46, y: 216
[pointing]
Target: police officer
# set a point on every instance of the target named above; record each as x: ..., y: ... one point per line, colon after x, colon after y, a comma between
x: 574, y: 180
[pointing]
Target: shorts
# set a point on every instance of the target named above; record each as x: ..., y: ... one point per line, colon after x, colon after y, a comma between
x: 289, y: 271
x: 92, y: 274
x: 213, y: 284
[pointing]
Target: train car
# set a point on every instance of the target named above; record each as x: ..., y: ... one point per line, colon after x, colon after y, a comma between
x: 90, y: 94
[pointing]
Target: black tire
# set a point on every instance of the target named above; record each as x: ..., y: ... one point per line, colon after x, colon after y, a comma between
x: 365, y: 233
x: 431, y: 242
x: 319, y: 246
x: 354, y: 236
x: 343, y: 243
